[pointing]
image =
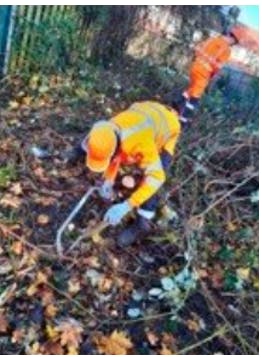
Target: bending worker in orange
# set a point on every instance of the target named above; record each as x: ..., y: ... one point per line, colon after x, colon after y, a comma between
x: 210, y: 56
x: 145, y: 135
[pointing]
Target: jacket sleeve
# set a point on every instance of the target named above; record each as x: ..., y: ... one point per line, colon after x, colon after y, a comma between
x: 222, y: 58
x: 154, y: 174
x: 171, y: 144
x: 201, y: 47
x: 112, y: 170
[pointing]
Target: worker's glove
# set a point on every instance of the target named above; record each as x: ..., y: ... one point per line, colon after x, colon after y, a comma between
x: 117, y: 212
x: 106, y: 191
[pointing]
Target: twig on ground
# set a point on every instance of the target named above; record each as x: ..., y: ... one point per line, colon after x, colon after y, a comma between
x: 221, y: 331
x: 232, y: 328
x: 72, y: 300
x: 87, y: 234
x: 42, y: 252
x: 227, y: 194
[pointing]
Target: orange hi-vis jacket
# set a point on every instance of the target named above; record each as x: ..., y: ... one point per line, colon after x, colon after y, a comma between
x: 213, y: 53
x: 145, y: 130
x: 210, y: 56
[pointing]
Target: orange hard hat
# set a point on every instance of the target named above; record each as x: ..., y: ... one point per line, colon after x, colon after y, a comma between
x: 100, y: 146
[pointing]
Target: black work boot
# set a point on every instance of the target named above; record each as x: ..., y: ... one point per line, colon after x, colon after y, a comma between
x: 138, y: 229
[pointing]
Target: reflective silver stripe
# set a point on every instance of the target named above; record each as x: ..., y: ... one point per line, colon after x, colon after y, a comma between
x: 163, y: 121
x: 154, y: 182
x: 148, y: 121
x: 135, y: 108
x: 155, y: 166
x: 190, y: 106
x: 125, y: 133
x: 210, y: 60
x: 183, y: 119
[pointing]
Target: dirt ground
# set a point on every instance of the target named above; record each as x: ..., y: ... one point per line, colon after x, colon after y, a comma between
x: 98, y: 298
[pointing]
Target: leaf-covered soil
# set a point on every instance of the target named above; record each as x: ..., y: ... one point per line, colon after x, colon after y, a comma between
x: 98, y: 298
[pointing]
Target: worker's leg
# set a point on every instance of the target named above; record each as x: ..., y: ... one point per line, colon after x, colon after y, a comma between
x: 199, y: 80
x: 142, y: 224
x: 189, y: 110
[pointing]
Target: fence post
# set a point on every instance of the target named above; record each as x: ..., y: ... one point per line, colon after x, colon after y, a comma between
x: 7, y: 14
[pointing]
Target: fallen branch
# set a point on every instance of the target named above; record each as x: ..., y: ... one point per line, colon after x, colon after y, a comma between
x: 229, y: 193
x: 5, y: 229
x: 232, y: 328
x: 72, y: 300
x: 89, y: 232
x: 217, y: 333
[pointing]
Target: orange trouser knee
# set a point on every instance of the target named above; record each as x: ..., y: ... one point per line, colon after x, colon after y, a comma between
x: 199, y: 80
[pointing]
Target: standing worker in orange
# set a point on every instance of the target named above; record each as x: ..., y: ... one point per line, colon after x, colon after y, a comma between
x: 143, y: 136
x: 210, y: 56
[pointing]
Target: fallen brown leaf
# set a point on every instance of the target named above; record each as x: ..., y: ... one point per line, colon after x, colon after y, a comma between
x: 40, y: 173
x: 45, y: 201
x: 92, y: 261
x: 43, y: 219
x: 152, y: 338
x: 74, y: 285
x: 10, y: 200
x: 17, y: 247
x: 5, y: 266
x: 52, y: 348
x: 32, y: 290
x: 27, y: 100
x: 51, y: 332
x: 71, y: 350
x: 41, y: 278
x: 13, y: 104
x: 243, y: 273
x: 105, y: 285
x: 195, y: 223
x: 33, y: 349
x: 51, y: 310
x: 3, y: 323
x: 115, y: 344
x: 193, y: 325
x: 202, y: 273
x: 70, y: 331
x: 47, y: 296
x: 165, y: 351
x: 231, y: 227
x: 18, y: 335
x: 16, y: 188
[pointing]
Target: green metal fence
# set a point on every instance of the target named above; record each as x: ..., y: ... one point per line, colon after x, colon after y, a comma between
x: 5, y: 35
x: 44, y: 38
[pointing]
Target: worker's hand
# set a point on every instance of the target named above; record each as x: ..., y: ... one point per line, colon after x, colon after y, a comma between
x: 106, y: 191
x: 117, y: 212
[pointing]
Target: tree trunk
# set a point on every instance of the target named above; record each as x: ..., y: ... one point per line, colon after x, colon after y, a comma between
x: 111, y: 41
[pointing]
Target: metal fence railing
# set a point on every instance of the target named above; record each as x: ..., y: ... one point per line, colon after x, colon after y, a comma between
x: 41, y: 36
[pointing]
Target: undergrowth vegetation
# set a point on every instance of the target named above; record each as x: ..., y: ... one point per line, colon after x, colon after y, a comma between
x: 190, y: 288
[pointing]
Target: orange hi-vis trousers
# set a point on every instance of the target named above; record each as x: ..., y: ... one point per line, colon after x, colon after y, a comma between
x: 199, y: 78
